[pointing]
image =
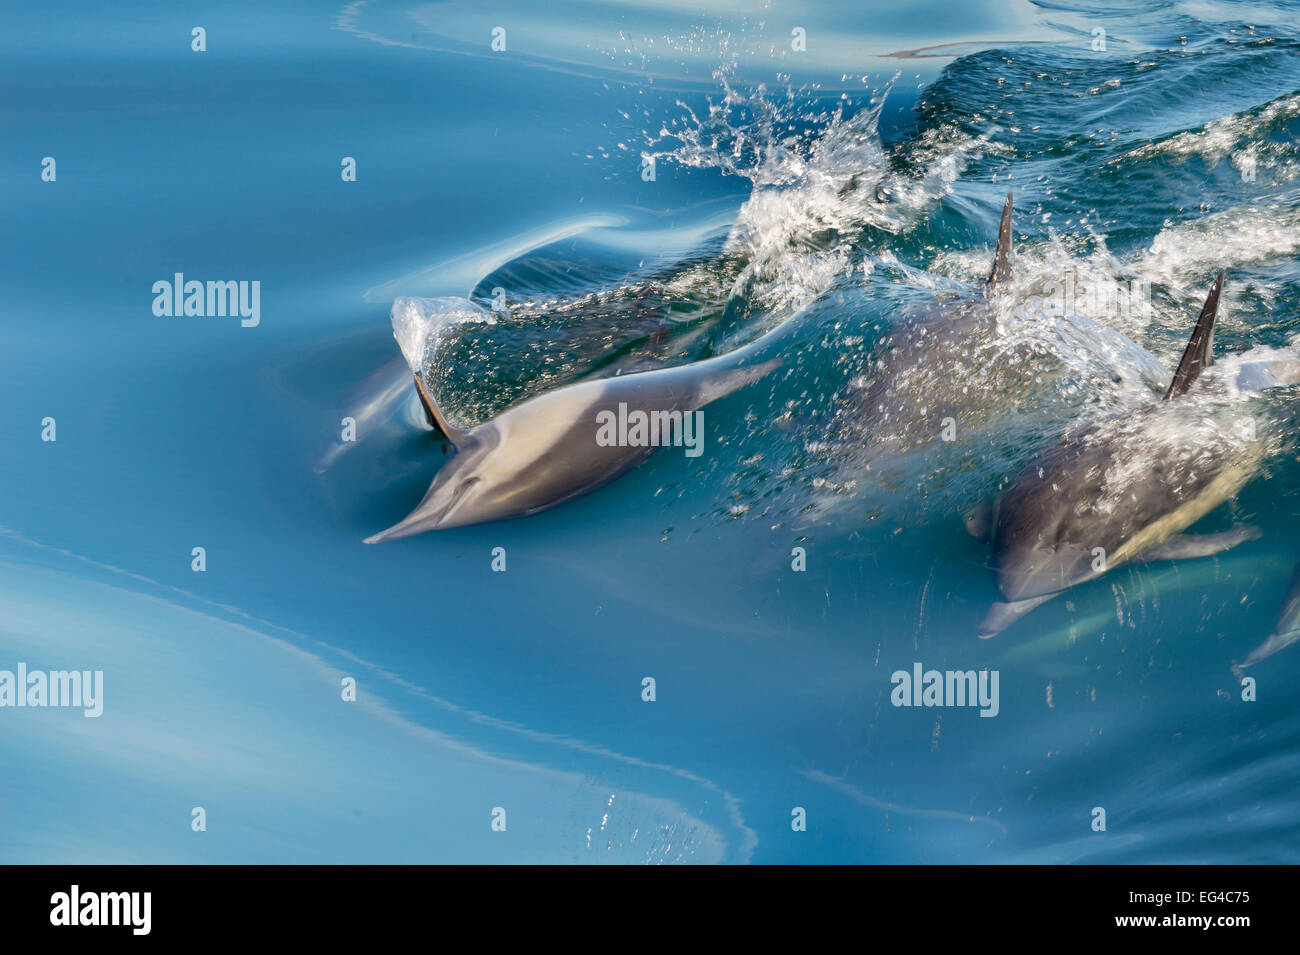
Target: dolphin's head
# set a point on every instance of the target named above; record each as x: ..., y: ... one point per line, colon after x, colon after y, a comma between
x: 1039, y: 566
x: 464, y: 491
x: 1031, y: 564
x: 1047, y: 532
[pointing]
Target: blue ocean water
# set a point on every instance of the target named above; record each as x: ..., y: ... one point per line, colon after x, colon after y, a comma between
x: 841, y: 168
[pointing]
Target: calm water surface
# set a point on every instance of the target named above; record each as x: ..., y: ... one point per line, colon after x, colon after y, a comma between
x: 839, y: 188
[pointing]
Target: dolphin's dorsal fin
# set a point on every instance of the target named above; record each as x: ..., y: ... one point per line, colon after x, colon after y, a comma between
x: 1199, y: 353
x: 436, y: 418
x: 1001, y: 273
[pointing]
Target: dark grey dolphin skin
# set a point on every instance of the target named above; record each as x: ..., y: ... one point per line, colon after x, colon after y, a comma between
x: 1067, y: 518
x: 544, y: 451
x: 1285, y: 632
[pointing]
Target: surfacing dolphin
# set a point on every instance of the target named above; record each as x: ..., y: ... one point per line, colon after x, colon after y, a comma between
x: 919, y: 372
x: 1126, y: 488
x: 546, y: 450
x: 962, y: 363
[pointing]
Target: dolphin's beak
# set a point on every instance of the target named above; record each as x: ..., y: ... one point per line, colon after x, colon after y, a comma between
x: 1004, y: 613
x: 426, y: 516
x: 408, y: 526
x: 418, y: 521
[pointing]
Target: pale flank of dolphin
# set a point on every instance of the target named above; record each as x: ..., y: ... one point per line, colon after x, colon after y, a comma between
x: 1285, y: 632
x: 546, y: 451
x: 1126, y: 488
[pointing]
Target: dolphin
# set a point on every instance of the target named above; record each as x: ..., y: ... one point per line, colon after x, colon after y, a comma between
x: 1126, y: 488
x: 548, y: 449
x: 1285, y: 632
x: 899, y: 404
x: 961, y: 362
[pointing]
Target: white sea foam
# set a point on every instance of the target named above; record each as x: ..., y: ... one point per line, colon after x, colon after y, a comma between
x: 819, y: 179
x: 1221, y: 138
x: 1188, y: 252
x: 419, y: 324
